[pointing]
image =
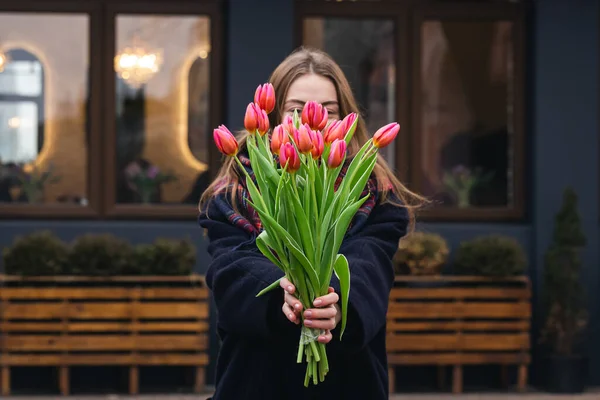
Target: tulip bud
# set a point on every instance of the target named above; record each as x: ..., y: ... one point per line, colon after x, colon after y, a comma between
x: 278, y: 138
x: 288, y: 155
x: 251, y: 117
x: 263, y: 122
x: 288, y: 124
x: 315, y: 115
x: 264, y: 97
x: 318, y: 144
x: 349, y: 122
x: 385, y: 135
x: 225, y: 141
x: 335, y: 130
x: 303, y: 139
x: 337, y: 153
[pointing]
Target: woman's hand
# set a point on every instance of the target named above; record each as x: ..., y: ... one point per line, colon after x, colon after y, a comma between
x: 326, y: 314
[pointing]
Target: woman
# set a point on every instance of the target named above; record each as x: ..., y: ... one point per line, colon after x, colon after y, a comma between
x: 257, y: 360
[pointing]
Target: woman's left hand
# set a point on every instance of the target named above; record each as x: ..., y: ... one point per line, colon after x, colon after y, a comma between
x: 325, y: 315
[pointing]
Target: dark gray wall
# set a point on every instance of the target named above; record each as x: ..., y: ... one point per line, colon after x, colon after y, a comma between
x: 562, y: 113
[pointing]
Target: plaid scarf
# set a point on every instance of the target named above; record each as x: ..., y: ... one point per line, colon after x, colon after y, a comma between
x: 248, y: 220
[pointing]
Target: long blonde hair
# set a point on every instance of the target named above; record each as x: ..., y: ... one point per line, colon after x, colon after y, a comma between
x: 301, y: 62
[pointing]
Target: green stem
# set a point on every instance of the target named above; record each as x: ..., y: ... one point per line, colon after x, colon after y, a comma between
x: 300, y: 352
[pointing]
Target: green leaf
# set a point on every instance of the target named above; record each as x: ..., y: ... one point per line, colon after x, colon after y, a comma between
x: 302, y: 222
x: 290, y: 243
x: 342, y: 271
x: 340, y: 227
x: 272, y: 286
x: 265, y: 246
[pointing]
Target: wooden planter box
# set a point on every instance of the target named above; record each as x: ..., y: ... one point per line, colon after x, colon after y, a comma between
x: 127, y: 321
x: 456, y: 321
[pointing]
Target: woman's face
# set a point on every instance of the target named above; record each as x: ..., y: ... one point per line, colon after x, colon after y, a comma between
x: 311, y: 87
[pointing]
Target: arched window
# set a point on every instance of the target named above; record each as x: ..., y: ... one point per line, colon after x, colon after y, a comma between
x: 21, y: 107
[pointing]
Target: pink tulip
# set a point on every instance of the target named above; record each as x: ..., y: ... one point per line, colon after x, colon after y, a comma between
x: 315, y: 115
x: 337, y: 153
x: 335, y: 130
x: 288, y: 155
x: 288, y: 124
x: 253, y: 113
x: 225, y: 141
x: 265, y: 97
x: 263, y: 122
x: 348, y: 122
x: 318, y: 144
x: 303, y: 139
x: 385, y: 135
x: 278, y: 138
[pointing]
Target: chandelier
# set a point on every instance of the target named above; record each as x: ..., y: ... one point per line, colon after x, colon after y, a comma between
x: 3, y: 60
x: 136, y: 64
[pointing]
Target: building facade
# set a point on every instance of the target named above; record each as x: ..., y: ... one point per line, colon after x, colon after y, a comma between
x: 506, y: 91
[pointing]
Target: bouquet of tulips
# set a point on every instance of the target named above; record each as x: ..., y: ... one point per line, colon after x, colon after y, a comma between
x: 304, y: 215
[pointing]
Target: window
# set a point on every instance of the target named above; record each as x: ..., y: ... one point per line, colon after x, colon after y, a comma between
x: 43, y: 115
x: 451, y: 73
x: 106, y: 108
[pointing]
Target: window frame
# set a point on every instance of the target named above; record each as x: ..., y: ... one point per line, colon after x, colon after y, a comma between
x: 210, y: 9
x: 101, y: 189
x: 94, y: 159
x: 409, y: 15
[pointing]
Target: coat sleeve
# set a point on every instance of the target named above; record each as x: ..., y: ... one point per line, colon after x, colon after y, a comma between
x: 370, y: 253
x: 237, y: 272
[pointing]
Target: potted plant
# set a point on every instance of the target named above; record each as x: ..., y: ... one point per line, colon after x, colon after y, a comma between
x: 421, y: 253
x: 102, y: 301
x: 563, y: 293
x: 490, y: 256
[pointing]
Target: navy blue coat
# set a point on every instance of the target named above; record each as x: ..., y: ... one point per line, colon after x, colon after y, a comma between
x: 257, y: 359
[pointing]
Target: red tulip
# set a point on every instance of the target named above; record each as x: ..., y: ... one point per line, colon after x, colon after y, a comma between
x: 303, y: 139
x: 225, y: 141
x: 264, y: 97
x: 318, y: 144
x: 288, y: 124
x: 385, y: 135
x: 335, y: 130
x: 263, y: 122
x: 337, y: 153
x: 253, y: 113
x: 288, y: 155
x: 278, y: 138
x: 315, y: 115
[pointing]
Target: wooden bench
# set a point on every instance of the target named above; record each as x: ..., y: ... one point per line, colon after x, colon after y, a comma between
x: 457, y: 321
x: 138, y: 321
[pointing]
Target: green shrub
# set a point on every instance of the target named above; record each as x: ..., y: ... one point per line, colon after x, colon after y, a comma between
x: 165, y: 257
x: 36, y: 254
x: 421, y: 253
x: 100, y: 255
x: 492, y: 255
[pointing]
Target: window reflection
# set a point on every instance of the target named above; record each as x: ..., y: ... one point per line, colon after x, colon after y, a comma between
x: 162, y: 123
x: 466, y: 113
x: 365, y: 50
x: 43, y: 108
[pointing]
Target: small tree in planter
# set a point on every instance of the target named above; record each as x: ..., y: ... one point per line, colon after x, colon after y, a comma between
x: 564, y: 300
x: 421, y: 253
x: 490, y: 256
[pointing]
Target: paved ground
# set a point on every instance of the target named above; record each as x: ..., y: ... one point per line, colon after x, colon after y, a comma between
x: 594, y: 395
